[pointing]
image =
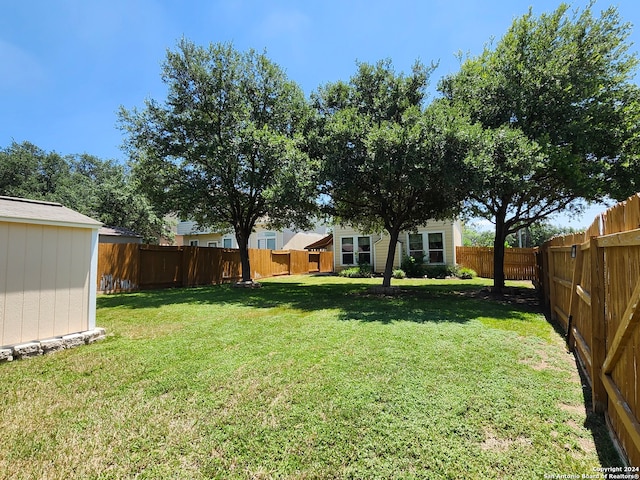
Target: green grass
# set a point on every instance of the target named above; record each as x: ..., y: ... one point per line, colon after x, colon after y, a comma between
x: 308, y: 377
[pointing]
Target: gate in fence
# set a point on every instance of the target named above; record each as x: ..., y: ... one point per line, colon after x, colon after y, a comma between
x: 591, y: 285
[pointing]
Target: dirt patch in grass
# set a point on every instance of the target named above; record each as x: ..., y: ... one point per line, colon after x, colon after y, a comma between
x: 495, y: 444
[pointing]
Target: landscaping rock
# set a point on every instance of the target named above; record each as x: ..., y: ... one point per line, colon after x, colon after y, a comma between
x: 6, y: 355
x: 94, y: 335
x: 26, y: 350
x: 52, y: 345
x: 73, y: 340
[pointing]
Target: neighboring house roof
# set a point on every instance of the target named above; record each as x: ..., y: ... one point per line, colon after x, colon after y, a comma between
x: 324, y: 242
x: 23, y: 210
x: 188, y: 227
x: 300, y: 239
x: 118, y: 232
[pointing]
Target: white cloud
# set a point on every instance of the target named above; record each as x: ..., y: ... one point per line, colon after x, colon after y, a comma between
x: 20, y: 69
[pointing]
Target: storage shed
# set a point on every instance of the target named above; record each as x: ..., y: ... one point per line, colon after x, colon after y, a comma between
x: 48, y: 267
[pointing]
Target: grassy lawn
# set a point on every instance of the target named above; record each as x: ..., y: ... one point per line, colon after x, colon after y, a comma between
x: 308, y: 377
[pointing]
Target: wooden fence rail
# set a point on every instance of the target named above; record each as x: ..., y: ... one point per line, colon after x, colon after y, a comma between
x: 519, y: 263
x: 591, y: 284
x: 126, y: 267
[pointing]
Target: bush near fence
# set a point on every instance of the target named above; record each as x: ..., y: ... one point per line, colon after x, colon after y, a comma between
x: 591, y: 284
x: 519, y: 263
x: 127, y: 267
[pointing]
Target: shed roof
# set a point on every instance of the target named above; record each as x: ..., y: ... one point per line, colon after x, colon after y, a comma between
x: 23, y: 210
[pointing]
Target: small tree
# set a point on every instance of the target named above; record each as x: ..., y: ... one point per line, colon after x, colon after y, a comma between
x: 390, y: 163
x: 226, y: 148
x: 552, y: 99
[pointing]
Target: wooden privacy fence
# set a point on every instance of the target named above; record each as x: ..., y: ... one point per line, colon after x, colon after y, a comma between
x: 125, y: 267
x: 519, y: 263
x: 591, y: 283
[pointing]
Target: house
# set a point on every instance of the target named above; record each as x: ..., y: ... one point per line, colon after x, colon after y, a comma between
x: 118, y: 235
x: 188, y: 233
x: 436, y: 242
x: 48, y: 270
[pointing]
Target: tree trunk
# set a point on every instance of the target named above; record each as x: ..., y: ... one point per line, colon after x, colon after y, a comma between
x: 391, y: 253
x: 243, y: 245
x: 498, y: 255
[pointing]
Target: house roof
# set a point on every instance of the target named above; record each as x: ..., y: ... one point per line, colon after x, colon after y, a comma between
x: 23, y: 210
x: 322, y: 243
x: 118, y: 232
x: 300, y: 239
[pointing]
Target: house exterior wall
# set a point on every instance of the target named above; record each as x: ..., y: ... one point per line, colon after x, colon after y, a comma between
x: 346, y: 231
x: 187, y: 231
x: 452, y: 237
x: 45, y: 281
x: 382, y: 249
x: 203, y: 239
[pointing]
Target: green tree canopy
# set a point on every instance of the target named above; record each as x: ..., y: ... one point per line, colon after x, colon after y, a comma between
x: 389, y: 163
x: 101, y: 189
x: 551, y: 98
x: 226, y: 148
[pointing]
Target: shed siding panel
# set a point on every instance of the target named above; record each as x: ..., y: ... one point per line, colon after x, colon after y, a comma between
x: 32, y: 283
x: 4, y: 256
x: 78, y: 293
x: 49, y: 248
x: 63, y: 281
x: 15, y: 284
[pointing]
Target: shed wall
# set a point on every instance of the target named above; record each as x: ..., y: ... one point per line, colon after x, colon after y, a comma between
x: 44, y: 281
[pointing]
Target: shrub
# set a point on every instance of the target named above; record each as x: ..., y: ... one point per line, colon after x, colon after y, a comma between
x: 437, y: 271
x: 399, y: 273
x: 361, y: 271
x: 465, y: 273
x: 412, y: 267
x: 416, y: 268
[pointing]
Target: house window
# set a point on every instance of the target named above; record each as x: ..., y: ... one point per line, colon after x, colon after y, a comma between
x: 193, y: 243
x: 427, y: 246
x: 347, y: 251
x: 212, y: 244
x: 227, y: 242
x: 416, y: 248
x: 436, y: 248
x: 267, y: 240
x: 358, y: 255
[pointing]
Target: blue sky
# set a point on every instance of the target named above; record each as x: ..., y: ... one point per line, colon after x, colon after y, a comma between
x: 66, y: 66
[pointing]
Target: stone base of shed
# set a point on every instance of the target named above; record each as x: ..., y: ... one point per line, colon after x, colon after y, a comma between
x: 49, y: 345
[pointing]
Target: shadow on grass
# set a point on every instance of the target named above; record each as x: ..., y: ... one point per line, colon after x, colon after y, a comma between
x: 455, y: 302
x: 594, y: 422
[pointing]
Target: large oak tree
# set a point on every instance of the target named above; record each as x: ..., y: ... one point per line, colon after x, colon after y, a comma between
x: 226, y: 148
x: 551, y: 97
x: 390, y: 162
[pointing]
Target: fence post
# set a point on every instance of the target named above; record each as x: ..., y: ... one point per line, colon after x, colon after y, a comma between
x: 138, y: 254
x: 552, y: 283
x: 573, y: 301
x: 598, y: 330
